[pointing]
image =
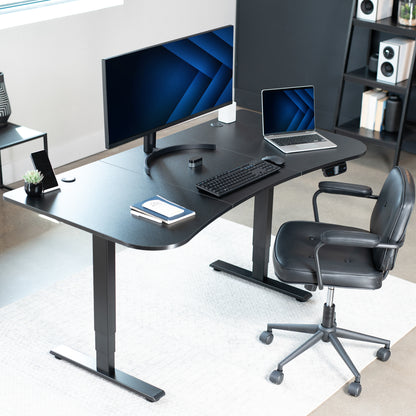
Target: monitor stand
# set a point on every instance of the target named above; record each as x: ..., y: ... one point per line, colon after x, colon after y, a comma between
x: 149, y: 147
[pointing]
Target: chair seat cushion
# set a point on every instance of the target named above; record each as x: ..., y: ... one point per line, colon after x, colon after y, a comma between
x: 340, y: 266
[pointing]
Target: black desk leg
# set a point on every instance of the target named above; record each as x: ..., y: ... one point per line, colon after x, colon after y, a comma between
x: 105, y: 327
x: 263, y: 210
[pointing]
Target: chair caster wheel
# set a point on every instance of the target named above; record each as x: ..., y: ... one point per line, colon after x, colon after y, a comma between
x: 276, y: 376
x: 354, y: 389
x: 383, y: 354
x: 266, y: 337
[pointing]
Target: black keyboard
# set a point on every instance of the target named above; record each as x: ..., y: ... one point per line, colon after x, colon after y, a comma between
x: 308, y: 138
x: 231, y: 180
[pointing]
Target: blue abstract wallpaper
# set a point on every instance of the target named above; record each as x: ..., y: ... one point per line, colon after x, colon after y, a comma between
x: 288, y: 110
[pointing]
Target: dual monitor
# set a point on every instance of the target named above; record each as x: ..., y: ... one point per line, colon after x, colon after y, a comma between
x: 150, y: 89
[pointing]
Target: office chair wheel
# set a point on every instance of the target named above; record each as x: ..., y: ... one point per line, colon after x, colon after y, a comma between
x: 266, y: 337
x: 276, y: 376
x: 354, y: 389
x: 383, y: 354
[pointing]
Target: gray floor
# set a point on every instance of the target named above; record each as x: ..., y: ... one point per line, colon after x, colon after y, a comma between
x: 35, y: 253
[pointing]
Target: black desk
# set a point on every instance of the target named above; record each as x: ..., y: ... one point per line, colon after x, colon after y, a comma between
x: 13, y: 134
x: 98, y: 202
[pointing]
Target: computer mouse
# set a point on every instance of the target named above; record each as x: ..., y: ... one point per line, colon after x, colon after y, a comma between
x: 277, y: 160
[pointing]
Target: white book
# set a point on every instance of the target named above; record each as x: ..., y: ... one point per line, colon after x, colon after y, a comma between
x: 371, y: 107
x: 381, y: 107
x: 364, y: 100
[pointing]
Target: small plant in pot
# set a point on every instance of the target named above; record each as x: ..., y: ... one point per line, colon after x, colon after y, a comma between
x: 407, y: 12
x: 33, y: 182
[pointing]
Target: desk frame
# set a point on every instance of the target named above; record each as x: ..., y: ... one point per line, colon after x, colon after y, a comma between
x: 105, y: 299
x: 105, y: 327
x: 263, y: 210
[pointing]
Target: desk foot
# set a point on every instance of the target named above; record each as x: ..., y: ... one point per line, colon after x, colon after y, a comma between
x: 298, y: 294
x: 149, y: 392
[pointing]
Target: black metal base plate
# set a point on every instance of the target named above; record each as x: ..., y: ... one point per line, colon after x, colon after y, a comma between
x: 298, y: 294
x: 149, y: 392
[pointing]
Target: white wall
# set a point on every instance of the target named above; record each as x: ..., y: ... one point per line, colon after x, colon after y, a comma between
x: 53, y: 69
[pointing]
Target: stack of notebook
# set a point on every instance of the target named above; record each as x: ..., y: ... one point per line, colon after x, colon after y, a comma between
x: 161, y: 210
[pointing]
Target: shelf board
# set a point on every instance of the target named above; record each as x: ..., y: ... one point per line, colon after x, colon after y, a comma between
x: 388, y: 25
x: 353, y: 129
x: 367, y: 78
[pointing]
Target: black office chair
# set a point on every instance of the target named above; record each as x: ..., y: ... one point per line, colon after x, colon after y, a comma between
x: 318, y: 254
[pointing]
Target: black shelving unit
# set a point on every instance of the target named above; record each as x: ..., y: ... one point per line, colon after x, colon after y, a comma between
x: 13, y: 134
x: 405, y: 138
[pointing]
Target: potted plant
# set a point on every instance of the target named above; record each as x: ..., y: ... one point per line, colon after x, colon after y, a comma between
x: 33, y: 182
x: 407, y: 13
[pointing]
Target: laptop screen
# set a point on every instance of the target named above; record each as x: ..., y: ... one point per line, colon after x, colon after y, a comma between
x: 288, y: 110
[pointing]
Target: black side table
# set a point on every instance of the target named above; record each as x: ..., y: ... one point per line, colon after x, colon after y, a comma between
x: 13, y: 134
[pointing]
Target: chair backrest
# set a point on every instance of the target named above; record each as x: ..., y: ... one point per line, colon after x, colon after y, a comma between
x: 391, y: 214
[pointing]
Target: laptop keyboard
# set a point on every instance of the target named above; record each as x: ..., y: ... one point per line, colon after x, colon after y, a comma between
x: 291, y: 140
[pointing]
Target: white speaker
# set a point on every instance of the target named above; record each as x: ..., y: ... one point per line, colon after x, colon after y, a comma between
x: 394, y: 60
x: 227, y: 114
x: 373, y: 10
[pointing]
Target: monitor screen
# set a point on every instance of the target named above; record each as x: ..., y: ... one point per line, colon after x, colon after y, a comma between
x: 153, y: 88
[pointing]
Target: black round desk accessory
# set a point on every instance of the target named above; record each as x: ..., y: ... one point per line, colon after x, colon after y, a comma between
x: 68, y: 179
x: 216, y: 124
x: 373, y: 62
x: 393, y: 113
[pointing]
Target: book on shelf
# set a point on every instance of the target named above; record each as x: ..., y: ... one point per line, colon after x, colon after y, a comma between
x: 364, y: 112
x: 380, y: 111
x: 161, y: 210
x: 370, y: 108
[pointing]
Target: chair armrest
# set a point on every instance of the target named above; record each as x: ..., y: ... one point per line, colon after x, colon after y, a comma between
x: 343, y: 238
x: 351, y: 189
x: 350, y: 238
x: 340, y: 188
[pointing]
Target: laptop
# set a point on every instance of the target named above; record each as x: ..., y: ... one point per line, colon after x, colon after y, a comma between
x: 288, y: 119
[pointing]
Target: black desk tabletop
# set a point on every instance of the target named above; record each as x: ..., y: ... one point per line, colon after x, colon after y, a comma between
x: 98, y: 201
